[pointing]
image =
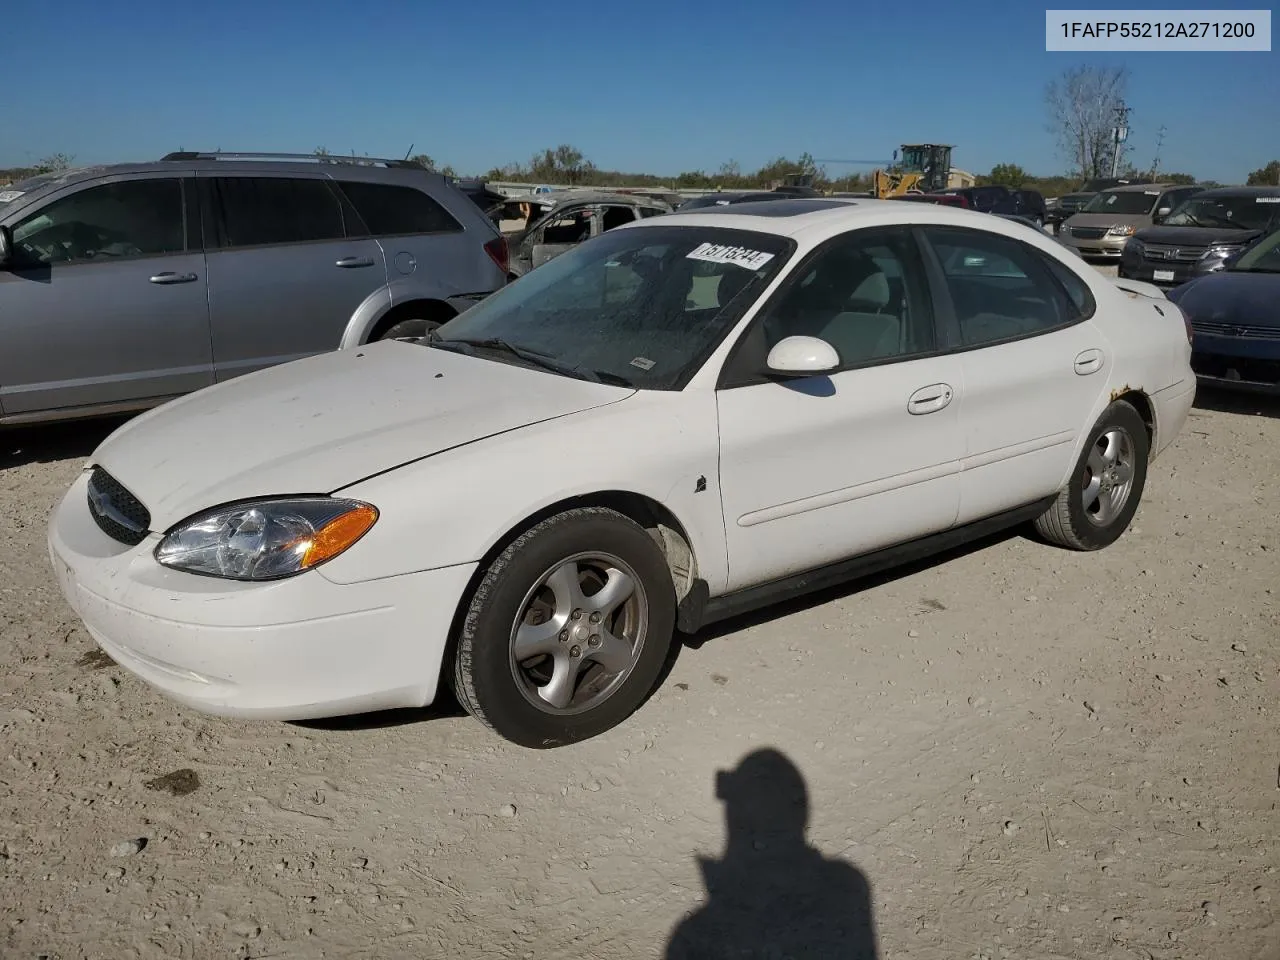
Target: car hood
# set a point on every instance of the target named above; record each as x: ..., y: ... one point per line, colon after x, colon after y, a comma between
x: 1109, y: 219
x: 323, y: 423
x: 1236, y: 299
x: 1195, y: 236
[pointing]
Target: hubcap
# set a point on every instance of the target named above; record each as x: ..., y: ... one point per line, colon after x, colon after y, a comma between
x: 1108, y: 476
x: 579, y: 633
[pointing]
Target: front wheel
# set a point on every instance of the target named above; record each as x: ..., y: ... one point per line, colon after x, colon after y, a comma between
x: 1102, y: 495
x: 567, y: 631
x: 408, y: 330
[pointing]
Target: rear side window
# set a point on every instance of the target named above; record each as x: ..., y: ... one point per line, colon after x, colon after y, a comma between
x: 254, y: 211
x: 1077, y: 289
x: 1002, y: 289
x: 389, y: 210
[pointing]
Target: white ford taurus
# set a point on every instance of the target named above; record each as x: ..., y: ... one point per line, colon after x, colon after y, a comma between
x: 677, y: 421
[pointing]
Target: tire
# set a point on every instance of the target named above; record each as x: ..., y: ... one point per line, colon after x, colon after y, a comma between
x: 1085, y: 517
x: 406, y: 329
x: 615, y: 653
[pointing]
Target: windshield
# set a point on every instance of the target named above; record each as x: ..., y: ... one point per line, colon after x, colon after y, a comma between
x: 1127, y: 202
x: 1236, y: 213
x: 638, y: 306
x: 1262, y: 257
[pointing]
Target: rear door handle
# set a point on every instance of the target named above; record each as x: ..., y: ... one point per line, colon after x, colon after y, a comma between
x: 1088, y: 361
x: 930, y: 399
x: 354, y: 262
x: 170, y: 277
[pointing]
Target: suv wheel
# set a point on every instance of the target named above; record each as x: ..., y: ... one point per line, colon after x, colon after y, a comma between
x: 407, y: 330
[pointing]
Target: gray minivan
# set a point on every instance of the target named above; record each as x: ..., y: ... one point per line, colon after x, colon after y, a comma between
x: 1105, y: 224
x: 124, y: 286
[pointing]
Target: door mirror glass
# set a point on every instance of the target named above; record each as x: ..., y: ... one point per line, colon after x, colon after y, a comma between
x: 802, y: 356
x: 6, y: 246
x: 1161, y: 213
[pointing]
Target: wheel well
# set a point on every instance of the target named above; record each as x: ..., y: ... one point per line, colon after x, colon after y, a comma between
x: 435, y: 310
x: 1142, y: 403
x: 666, y: 530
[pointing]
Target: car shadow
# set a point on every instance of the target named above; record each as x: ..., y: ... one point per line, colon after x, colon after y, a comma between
x: 1221, y: 400
x: 445, y: 707
x: 787, y: 608
x: 51, y: 442
x: 772, y: 894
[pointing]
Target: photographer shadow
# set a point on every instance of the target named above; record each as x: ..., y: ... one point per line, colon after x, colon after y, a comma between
x: 773, y: 895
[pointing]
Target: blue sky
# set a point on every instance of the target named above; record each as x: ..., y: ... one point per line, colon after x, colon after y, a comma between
x: 662, y: 86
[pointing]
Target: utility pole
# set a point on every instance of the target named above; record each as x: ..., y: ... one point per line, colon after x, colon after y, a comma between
x: 1155, y: 164
x: 1119, y: 133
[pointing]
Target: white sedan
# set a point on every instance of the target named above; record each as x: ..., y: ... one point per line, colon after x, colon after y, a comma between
x: 673, y: 423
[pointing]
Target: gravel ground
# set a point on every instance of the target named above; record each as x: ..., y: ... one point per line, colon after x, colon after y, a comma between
x: 1014, y: 751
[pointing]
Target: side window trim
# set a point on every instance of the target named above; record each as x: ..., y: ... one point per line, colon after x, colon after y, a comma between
x: 737, y: 370
x: 940, y: 289
x: 18, y: 266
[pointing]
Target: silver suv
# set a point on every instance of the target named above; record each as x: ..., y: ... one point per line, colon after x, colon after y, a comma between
x: 123, y: 286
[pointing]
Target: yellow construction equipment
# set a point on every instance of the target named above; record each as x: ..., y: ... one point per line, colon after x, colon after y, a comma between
x: 923, y: 167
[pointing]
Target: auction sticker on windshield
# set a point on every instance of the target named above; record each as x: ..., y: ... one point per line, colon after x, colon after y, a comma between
x: 739, y: 256
x: 8, y: 196
x: 1267, y: 200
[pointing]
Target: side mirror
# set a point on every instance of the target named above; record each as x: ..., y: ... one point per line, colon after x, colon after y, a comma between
x: 802, y: 356
x: 1161, y: 214
x: 6, y: 245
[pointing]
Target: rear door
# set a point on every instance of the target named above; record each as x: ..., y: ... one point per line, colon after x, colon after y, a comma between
x: 284, y: 276
x: 1032, y: 363
x: 104, y: 301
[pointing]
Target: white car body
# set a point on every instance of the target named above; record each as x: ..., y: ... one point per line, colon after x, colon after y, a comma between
x: 458, y: 453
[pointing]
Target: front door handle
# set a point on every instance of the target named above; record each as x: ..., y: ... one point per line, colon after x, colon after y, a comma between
x: 170, y: 277
x: 1088, y: 361
x: 930, y: 399
x: 354, y: 262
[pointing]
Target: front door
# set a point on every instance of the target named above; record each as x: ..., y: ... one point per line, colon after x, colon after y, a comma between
x: 104, y: 300
x: 284, y: 278
x: 817, y: 469
x: 1033, y: 366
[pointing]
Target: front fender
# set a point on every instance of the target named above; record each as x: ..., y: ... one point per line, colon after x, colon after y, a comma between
x: 456, y: 506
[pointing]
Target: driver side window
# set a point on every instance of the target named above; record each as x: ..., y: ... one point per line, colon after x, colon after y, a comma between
x: 134, y: 218
x: 573, y: 226
x: 865, y: 294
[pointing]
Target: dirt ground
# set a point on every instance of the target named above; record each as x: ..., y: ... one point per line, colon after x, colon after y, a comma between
x: 1012, y: 752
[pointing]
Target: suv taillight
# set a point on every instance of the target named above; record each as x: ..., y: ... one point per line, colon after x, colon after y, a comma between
x: 498, y: 252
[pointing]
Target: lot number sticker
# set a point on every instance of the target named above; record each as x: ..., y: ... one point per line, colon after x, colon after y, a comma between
x: 739, y: 256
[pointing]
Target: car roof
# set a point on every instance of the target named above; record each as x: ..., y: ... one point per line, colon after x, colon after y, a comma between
x: 1142, y: 187
x: 817, y: 219
x: 1238, y: 192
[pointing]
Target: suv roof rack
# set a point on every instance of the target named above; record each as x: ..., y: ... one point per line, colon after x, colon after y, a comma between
x: 312, y: 157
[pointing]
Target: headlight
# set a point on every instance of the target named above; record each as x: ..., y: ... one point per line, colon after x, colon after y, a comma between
x: 1120, y: 230
x: 1219, y: 252
x: 266, y: 539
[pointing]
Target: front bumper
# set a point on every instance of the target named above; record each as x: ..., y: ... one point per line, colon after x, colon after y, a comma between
x: 1237, y: 363
x: 292, y: 649
x: 1103, y: 248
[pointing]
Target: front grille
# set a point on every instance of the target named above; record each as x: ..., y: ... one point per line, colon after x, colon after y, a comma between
x: 1243, y: 369
x: 1235, y: 330
x: 116, y: 511
x: 1089, y: 233
x: 1160, y: 253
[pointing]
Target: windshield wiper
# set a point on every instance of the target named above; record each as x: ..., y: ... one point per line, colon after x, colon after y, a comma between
x: 533, y: 357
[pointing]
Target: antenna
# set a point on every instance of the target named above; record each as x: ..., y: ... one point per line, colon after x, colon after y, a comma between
x: 1155, y: 163
x: 408, y: 153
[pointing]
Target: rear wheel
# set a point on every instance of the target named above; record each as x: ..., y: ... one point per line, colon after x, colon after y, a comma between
x: 1106, y: 486
x: 568, y: 630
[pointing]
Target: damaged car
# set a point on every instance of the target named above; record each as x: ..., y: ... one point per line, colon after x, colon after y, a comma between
x: 571, y: 219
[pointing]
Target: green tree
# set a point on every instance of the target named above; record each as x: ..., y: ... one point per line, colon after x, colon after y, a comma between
x: 1266, y: 176
x: 1009, y: 175
x: 54, y: 163
x: 1182, y: 179
x: 424, y: 161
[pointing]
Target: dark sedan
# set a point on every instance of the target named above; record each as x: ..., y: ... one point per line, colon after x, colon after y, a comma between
x: 1235, y: 317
